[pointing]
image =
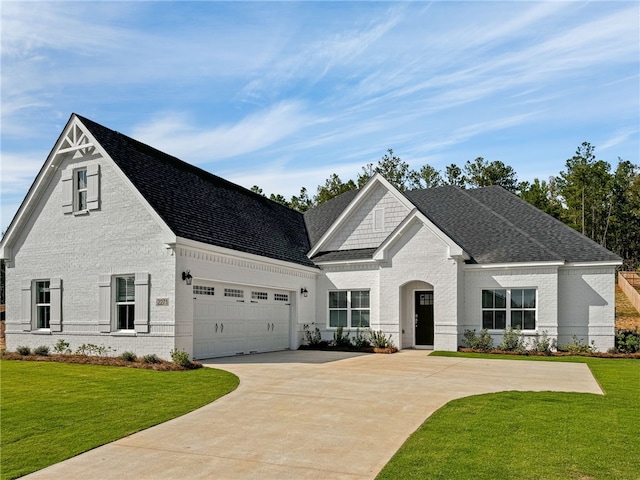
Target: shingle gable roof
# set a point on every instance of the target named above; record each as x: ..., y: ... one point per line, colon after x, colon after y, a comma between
x: 490, y: 224
x: 200, y: 206
x: 565, y: 242
x: 319, y: 219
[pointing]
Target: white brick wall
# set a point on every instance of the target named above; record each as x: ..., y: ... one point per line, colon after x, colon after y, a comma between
x: 358, y: 231
x: 121, y: 237
x: 543, y: 278
x: 586, y: 305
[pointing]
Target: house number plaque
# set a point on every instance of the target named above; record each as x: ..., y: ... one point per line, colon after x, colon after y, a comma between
x: 162, y: 302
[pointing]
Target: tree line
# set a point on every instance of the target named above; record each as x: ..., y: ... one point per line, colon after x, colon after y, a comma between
x: 589, y: 195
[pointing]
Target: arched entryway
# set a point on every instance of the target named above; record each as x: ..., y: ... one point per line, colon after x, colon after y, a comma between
x: 418, y: 315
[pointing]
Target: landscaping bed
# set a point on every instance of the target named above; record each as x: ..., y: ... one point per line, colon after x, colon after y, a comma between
x: 160, y: 365
x: 326, y: 346
x: 530, y: 353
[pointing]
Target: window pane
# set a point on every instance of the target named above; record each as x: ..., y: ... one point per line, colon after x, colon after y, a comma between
x: 360, y: 318
x: 82, y: 200
x: 82, y: 179
x: 516, y: 298
x: 516, y: 319
x: 337, y: 299
x: 487, y: 319
x: 43, y: 295
x: 529, y: 320
x: 337, y: 318
x: 529, y: 298
x: 44, y: 316
x: 125, y: 289
x: 125, y: 317
x: 426, y: 298
x: 487, y: 298
x: 501, y: 298
x: 360, y: 299
x: 501, y: 319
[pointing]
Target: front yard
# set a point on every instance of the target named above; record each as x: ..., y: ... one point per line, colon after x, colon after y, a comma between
x: 53, y: 411
x: 532, y: 435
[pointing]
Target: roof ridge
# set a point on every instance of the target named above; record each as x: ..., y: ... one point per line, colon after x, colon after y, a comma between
x: 501, y: 217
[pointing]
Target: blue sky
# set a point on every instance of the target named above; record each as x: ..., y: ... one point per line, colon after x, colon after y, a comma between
x: 284, y: 94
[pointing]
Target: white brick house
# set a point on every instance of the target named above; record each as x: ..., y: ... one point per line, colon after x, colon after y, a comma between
x: 121, y: 245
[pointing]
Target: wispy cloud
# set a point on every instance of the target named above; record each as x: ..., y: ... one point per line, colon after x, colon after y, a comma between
x: 184, y: 138
x: 618, y: 137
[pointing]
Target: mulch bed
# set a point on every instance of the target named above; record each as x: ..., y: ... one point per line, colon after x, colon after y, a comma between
x: 330, y: 348
x: 553, y: 354
x: 161, y: 365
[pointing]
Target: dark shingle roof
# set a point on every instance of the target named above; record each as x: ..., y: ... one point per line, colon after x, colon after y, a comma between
x: 339, y: 255
x: 204, y: 207
x: 490, y: 224
x: 319, y: 219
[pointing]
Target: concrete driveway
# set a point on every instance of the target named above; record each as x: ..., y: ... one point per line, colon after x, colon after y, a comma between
x: 312, y: 415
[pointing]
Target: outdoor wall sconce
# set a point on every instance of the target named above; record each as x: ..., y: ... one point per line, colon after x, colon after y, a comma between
x: 186, y: 276
x: 304, y: 292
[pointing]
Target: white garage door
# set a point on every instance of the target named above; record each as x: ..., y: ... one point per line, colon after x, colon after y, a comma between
x: 233, y: 319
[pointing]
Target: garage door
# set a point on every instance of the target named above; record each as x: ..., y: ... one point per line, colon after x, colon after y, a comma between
x: 232, y: 320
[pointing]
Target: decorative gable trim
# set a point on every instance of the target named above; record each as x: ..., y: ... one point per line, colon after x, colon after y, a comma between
x: 75, y: 137
x: 454, y: 250
x: 358, y: 200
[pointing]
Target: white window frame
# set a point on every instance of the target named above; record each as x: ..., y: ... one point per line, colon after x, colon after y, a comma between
x: 509, y: 309
x: 349, y: 308
x: 44, y: 305
x: 78, y: 191
x: 118, y: 303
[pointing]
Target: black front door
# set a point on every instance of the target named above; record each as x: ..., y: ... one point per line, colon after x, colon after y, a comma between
x: 424, y: 318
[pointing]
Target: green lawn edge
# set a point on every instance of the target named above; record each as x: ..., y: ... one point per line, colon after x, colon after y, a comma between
x: 53, y: 411
x: 531, y: 435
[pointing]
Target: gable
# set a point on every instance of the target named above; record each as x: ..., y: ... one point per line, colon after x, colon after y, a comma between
x: 62, y: 195
x: 365, y: 221
x: 367, y: 225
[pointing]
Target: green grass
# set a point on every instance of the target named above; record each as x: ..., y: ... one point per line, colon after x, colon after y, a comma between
x: 521, y: 435
x: 53, y: 411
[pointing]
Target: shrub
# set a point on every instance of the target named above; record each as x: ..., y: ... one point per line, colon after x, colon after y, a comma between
x: 151, y: 358
x: 380, y: 340
x: 577, y: 346
x: 128, y: 356
x: 627, y: 341
x: 512, y: 341
x: 313, y: 338
x: 42, y: 350
x: 91, y: 349
x: 482, y: 342
x: 340, y: 339
x: 361, y: 340
x: 22, y: 350
x: 543, y: 344
x: 61, y: 346
x: 181, y: 358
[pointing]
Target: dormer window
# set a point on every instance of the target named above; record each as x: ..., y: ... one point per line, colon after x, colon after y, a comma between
x: 80, y: 190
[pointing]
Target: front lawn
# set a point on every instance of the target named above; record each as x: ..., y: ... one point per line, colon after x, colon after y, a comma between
x: 53, y: 411
x: 532, y: 435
